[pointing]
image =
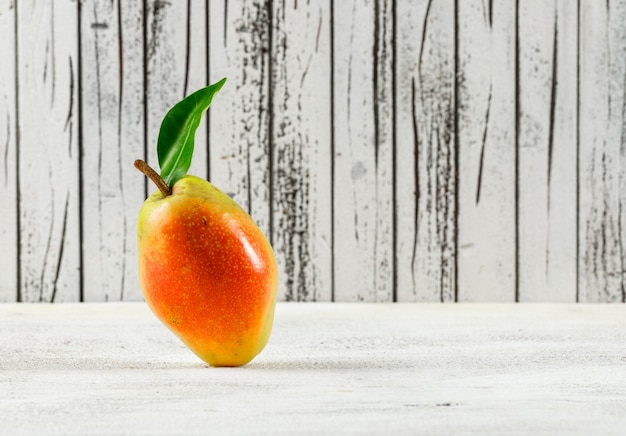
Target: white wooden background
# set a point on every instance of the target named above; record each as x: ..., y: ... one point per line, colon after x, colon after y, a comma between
x: 426, y: 150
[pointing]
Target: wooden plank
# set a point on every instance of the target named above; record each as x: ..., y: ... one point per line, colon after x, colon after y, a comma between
x: 602, y: 152
x: 48, y: 150
x: 425, y: 159
x: 301, y: 138
x: 113, y: 136
x: 8, y: 157
x: 547, y: 154
x: 363, y: 167
x: 487, y: 155
x: 239, y: 134
x: 176, y: 56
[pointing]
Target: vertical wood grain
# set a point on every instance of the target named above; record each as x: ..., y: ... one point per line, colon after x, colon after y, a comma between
x: 48, y: 150
x: 239, y: 131
x: 301, y: 133
x: 112, y: 138
x: 547, y: 150
x: 486, y: 61
x: 337, y: 131
x: 425, y: 160
x: 8, y: 157
x: 176, y: 66
x: 363, y: 146
x: 602, y: 152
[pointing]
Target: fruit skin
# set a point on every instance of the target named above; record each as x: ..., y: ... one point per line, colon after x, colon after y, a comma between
x: 207, y: 272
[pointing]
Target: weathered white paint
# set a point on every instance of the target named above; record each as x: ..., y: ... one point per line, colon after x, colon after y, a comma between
x: 363, y: 164
x: 602, y: 158
x: 327, y: 369
x: 548, y: 37
x: 239, y: 45
x: 301, y: 141
x: 425, y: 157
x: 48, y: 150
x: 112, y: 138
x: 8, y: 157
x: 176, y: 44
x: 486, y: 141
x: 423, y: 151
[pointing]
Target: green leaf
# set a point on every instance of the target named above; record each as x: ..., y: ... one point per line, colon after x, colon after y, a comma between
x: 175, y: 144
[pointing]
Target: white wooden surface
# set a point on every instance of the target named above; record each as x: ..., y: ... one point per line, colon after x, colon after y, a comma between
x: 301, y: 137
x: 547, y: 152
x: 49, y: 161
x: 176, y: 47
x: 239, y: 47
x: 112, y: 136
x: 426, y: 152
x: 362, y: 172
x: 328, y: 369
x: 602, y: 154
x: 432, y: 150
x: 8, y: 159
x: 486, y: 242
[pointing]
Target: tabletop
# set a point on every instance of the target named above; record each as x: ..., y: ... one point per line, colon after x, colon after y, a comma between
x: 329, y: 368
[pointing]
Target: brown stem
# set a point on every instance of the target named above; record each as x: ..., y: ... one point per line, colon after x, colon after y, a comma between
x: 152, y: 175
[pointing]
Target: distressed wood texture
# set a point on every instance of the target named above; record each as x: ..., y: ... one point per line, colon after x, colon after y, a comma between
x: 547, y: 150
x: 363, y: 150
x: 47, y: 52
x: 425, y: 159
x: 8, y: 157
x: 301, y: 138
x: 112, y: 138
x: 431, y: 150
x: 487, y: 155
x: 602, y: 159
x: 239, y: 132
x: 176, y: 66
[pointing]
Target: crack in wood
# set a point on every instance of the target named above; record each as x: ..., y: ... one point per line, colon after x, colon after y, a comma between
x: 49, y: 241
x: 621, y: 253
x: 418, y: 196
x: 120, y: 145
x: 61, y: 249
x: 156, y: 27
x: 99, y: 175
x: 7, y: 142
x: 376, y: 85
x: 423, y: 40
x: 553, y: 97
x: 69, y: 124
x: 53, y: 51
x: 487, y: 8
x: 102, y: 26
x: 225, y: 23
x: 187, y: 50
x: 483, y: 146
x: 319, y: 32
